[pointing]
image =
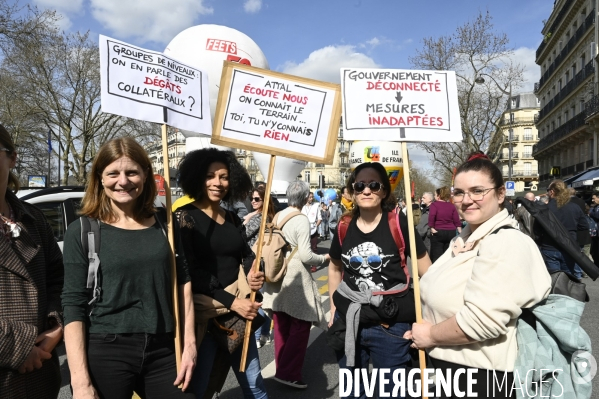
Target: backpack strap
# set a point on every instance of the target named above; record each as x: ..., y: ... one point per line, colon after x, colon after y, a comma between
x: 342, y: 227
x: 90, y: 242
x: 160, y: 217
x: 280, y: 224
x: 501, y: 228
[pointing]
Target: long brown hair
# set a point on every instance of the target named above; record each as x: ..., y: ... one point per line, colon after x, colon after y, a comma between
x: 96, y: 203
x: 444, y: 193
x: 6, y: 142
x: 270, y: 214
x: 561, y: 194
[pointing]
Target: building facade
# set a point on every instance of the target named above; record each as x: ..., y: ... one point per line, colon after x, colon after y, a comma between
x: 334, y: 175
x: 567, y: 92
x: 176, y: 151
x: 514, y: 141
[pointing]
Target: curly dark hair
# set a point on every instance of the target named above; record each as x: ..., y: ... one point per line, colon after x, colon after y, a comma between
x: 193, y: 170
x: 388, y: 201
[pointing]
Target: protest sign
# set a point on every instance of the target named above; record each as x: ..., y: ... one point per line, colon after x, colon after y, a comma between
x: 277, y: 114
x: 378, y: 102
x: 150, y: 86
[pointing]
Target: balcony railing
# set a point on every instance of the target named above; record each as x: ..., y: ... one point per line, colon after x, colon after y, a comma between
x: 507, y: 156
x: 580, y: 77
x: 344, y: 164
x: 589, y: 22
x: 559, y: 133
x: 520, y: 173
x: 516, y: 121
x: 526, y: 155
x: 532, y: 137
x: 558, y: 19
x: 591, y: 107
x: 513, y: 138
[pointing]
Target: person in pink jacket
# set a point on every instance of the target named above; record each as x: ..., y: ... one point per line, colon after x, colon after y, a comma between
x: 443, y: 220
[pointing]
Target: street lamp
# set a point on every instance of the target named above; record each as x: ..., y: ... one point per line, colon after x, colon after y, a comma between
x: 480, y: 80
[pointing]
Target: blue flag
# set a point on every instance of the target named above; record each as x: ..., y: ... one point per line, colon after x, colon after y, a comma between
x: 49, y: 141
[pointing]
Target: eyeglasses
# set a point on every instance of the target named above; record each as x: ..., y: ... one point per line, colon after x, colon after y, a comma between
x: 360, y: 186
x: 476, y: 194
x: 256, y: 199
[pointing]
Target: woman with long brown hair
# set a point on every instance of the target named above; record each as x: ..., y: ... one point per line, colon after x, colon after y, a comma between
x: 252, y: 220
x: 125, y: 342
x: 252, y: 223
x: 31, y: 278
x: 573, y: 219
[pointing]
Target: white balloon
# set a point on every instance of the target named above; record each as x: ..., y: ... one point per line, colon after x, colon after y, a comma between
x: 207, y: 46
x: 199, y: 142
x: 286, y: 170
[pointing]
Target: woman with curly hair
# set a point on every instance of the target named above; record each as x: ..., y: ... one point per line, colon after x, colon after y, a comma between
x: 573, y: 219
x: 211, y: 247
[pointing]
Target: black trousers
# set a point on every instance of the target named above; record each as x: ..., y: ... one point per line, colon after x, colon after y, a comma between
x: 440, y: 242
x: 122, y: 363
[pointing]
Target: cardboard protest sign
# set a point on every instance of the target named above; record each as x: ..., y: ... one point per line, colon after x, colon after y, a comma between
x: 277, y: 114
x: 140, y: 84
x: 378, y: 102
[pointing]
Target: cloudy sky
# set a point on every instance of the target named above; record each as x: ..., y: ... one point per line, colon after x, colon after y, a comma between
x: 312, y: 38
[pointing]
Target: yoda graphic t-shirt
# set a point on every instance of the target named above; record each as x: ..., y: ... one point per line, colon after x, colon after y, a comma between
x: 372, y: 261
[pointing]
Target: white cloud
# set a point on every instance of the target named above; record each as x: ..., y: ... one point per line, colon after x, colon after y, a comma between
x: 532, y: 72
x: 63, y: 8
x: 70, y: 6
x: 252, y: 6
x: 375, y: 41
x: 324, y: 64
x: 148, y: 20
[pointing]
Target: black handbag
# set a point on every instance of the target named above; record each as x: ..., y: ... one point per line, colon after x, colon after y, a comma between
x: 229, y: 329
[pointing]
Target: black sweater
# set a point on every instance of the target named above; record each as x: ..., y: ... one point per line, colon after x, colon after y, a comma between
x: 211, y: 252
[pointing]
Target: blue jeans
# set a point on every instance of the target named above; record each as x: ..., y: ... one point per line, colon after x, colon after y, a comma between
x: 385, y: 346
x: 264, y: 330
x: 560, y: 261
x: 251, y: 382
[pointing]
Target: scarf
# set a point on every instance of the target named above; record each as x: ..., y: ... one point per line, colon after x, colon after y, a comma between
x: 349, y: 205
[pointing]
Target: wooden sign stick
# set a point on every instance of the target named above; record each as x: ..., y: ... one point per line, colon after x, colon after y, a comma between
x: 171, y: 240
x: 413, y: 255
x: 256, y: 266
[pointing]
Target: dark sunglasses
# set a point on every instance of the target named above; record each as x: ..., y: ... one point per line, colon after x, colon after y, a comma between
x: 256, y: 199
x: 360, y: 186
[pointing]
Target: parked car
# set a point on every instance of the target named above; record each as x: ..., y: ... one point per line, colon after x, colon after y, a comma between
x: 59, y: 204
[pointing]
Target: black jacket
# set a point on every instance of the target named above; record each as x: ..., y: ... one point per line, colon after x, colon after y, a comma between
x: 548, y: 225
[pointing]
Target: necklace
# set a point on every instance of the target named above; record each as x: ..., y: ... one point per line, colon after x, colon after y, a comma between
x: 9, y: 227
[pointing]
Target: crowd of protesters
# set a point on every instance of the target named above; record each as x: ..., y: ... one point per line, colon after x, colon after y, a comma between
x: 122, y: 340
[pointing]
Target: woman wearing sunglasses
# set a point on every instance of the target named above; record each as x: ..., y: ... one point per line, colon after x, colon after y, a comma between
x: 253, y: 220
x: 252, y: 223
x: 474, y: 293
x: 367, y: 263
